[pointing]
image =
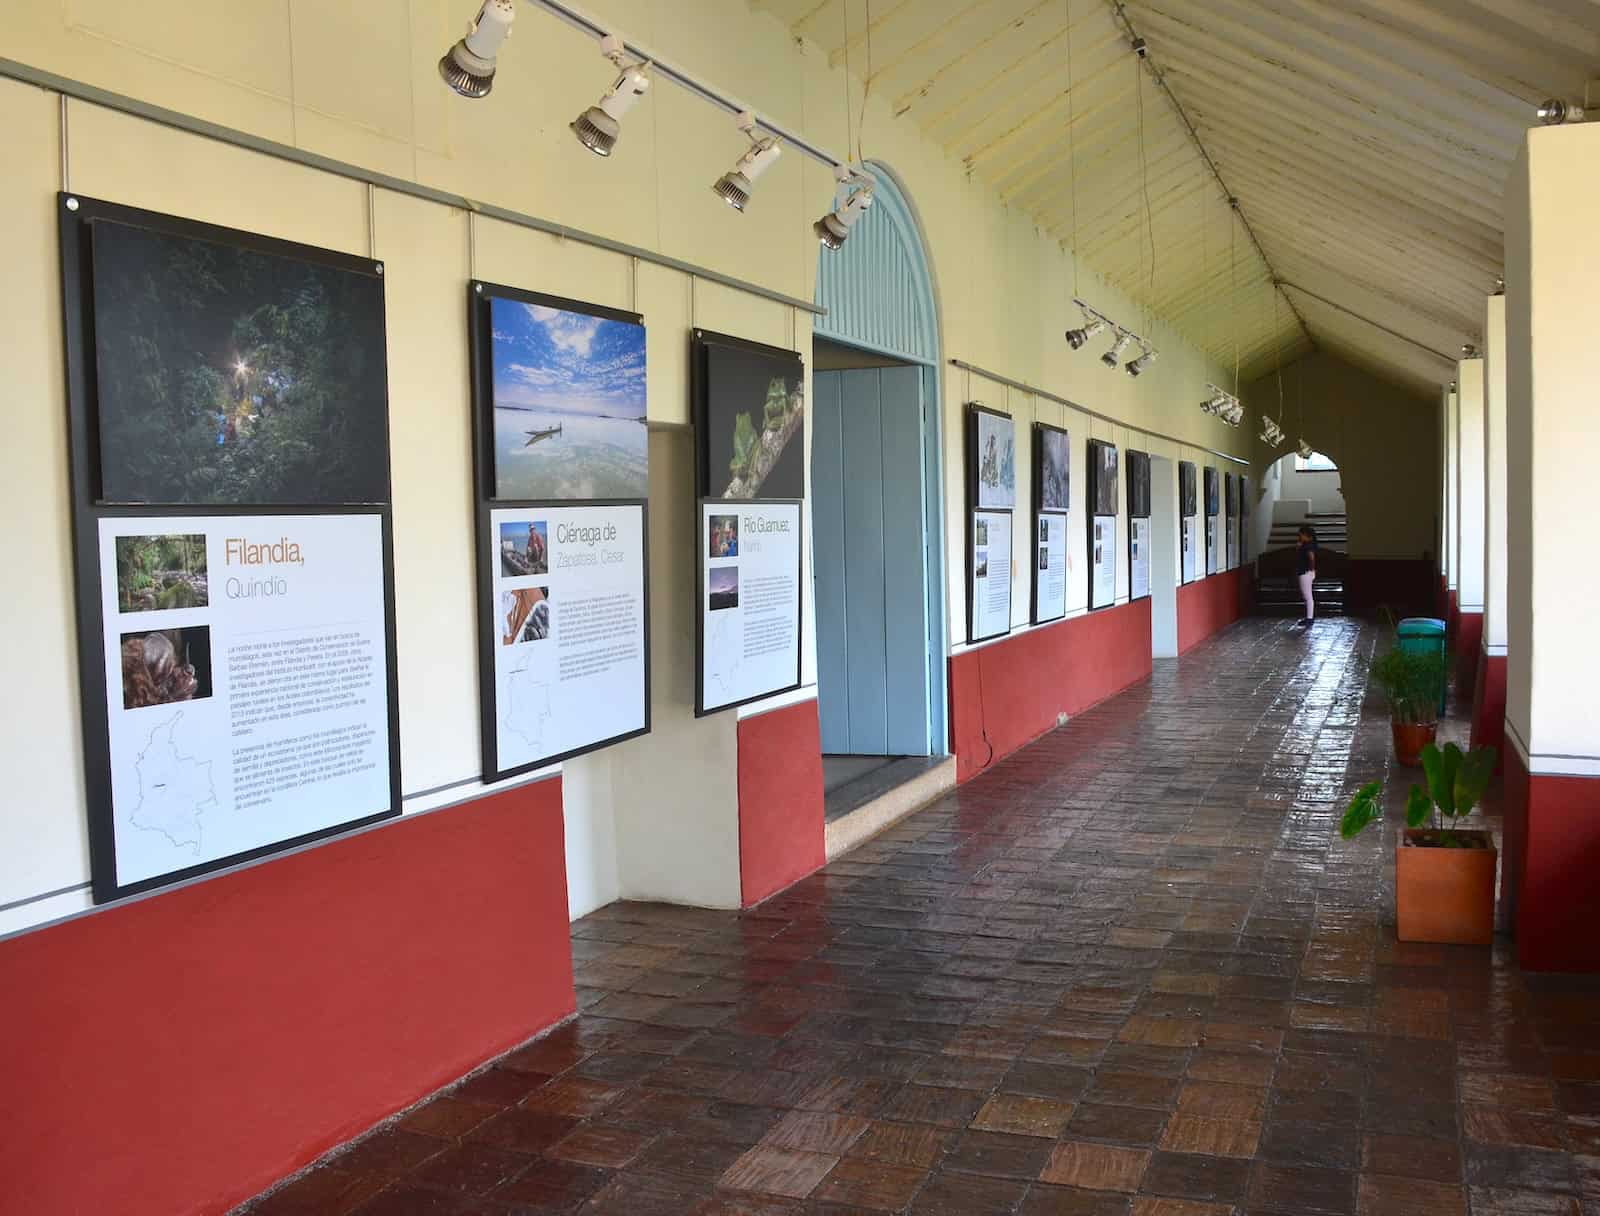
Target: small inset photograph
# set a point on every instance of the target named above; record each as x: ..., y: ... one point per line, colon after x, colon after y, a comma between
x: 724, y: 588
x: 1044, y: 529
x: 1098, y: 554
x: 980, y: 564
x: 157, y: 572
x: 166, y: 666
x: 1044, y: 558
x: 980, y: 535
x: 524, y: 615
x: 724, y: 536
x: 524, y: 549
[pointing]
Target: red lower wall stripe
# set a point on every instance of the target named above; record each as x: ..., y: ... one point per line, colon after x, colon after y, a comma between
x: 183, y: 1052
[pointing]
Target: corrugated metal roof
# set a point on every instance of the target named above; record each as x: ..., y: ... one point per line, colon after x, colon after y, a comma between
x: 1367, y: 141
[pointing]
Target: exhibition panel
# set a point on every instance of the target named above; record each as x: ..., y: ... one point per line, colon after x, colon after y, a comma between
x: 1052, y: 499
x: 749, y: 618
x: 748, y: 402
x: 561, y: 460
x: 1188, y: 507
x: 1138, y: 525
x: 1213, y: 531
x: 1102, y: 524
x: 228, y: 422
x: 991, y: 476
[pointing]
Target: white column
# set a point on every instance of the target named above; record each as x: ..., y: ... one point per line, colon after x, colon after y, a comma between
x: 1494, y: 479
x: 1553, y: 449
x: 1452, y: 484
x: 1469, y: 485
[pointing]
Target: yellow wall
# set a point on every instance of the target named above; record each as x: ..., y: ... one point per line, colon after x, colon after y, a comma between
x: 1384, y: 439
x: 357, y: 82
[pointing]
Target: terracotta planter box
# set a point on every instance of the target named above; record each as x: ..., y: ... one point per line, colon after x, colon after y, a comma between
x: 1445, y: 895
x: 1409, y: 740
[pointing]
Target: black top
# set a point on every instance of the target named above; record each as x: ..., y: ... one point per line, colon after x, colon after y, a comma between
x: 1302, y: 557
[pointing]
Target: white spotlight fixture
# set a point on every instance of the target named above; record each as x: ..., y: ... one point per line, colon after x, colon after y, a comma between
x: 1135, y: 367
x: 733, y: 187
x: 1076, y: 338
x: 1271, y: 432
x: 1554, y: 112
x: 1113, y: 356
x: 468, y: 66
x: 1469, y: 351
x: 1305, y: 449
x: 597, y: 127
x: 851, y: 199
x: 1223, y: 405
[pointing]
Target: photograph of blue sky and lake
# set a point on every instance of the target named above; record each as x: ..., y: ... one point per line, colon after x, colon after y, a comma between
x: 569, y: 404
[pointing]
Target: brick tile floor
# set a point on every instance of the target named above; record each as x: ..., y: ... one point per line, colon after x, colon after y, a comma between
x: 1131, y: 971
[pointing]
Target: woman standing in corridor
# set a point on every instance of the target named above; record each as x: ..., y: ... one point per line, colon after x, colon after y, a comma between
x: 1306, y: 568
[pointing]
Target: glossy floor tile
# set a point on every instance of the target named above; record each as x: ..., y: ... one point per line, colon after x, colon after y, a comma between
x: 1131, y: 971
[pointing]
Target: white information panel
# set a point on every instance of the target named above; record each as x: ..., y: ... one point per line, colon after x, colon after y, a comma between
x: 1213, y: 541
x: 1139, y: 558
x: 749, y: 601
x: 1103, y: 562
x: 1189, y: 525
x: 567, y: 620
x: 990, y: 593
x: 1050, y: 567
x: 247, y: 682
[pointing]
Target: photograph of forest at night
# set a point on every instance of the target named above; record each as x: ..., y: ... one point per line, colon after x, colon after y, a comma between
x: 227, y: 375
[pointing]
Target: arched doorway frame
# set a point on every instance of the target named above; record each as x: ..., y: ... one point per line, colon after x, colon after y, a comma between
x: 882, y: 297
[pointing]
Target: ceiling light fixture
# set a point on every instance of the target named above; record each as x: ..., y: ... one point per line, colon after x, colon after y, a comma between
x: 1271, y: 432
x: 1135, y: 367
x: 1554, y: 112
x: 1305, y: 449
x: 733, y: 187
x: 1224, y: 405
x: 851, y: 198
x: 597, y: 127
x: 1113, y: 356
x: 1469, y: 351
x: 468, y: 66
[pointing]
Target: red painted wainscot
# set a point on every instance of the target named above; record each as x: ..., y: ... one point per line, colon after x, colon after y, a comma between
x: 1211, y: 605
x: 1552, y: 848
x: 781, y: 828
x: 1009, y: 692
x: 183, y: 1052
x: 1468, y: 642
x: 1489, y: 704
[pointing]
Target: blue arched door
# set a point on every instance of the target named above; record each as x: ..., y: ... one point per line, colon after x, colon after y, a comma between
x: 875, y: 481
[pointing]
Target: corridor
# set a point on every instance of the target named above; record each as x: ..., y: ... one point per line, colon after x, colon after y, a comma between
x: 1132, y: 970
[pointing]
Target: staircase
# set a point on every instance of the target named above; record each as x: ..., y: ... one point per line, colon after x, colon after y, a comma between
x: 1332, y: 531
x: 1277, y: 588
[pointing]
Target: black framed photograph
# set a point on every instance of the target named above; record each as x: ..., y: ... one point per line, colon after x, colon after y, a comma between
x: 564, y: 399
x: 1138, y: 524
x: 748, y: 617
x: 991, y: 459
x: 1138, y: 483
x: 1213, y: 494
x: 1052, y: 468
x: 1188, y: 499
x: 1230, y: 494
x: 558, y: 407
x: 231, y: 369
x: 232, y: 542
x: 1102, y: 477
x: 749, y: 403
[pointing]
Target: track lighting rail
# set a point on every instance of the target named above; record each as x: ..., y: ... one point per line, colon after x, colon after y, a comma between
x: 687, y: 80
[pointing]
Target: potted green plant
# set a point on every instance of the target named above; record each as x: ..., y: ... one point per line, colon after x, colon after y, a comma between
x: 1443, y: 874
x: 1413, y: 684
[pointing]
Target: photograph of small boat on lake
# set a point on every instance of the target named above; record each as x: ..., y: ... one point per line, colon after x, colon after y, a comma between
x: 569, y: 404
